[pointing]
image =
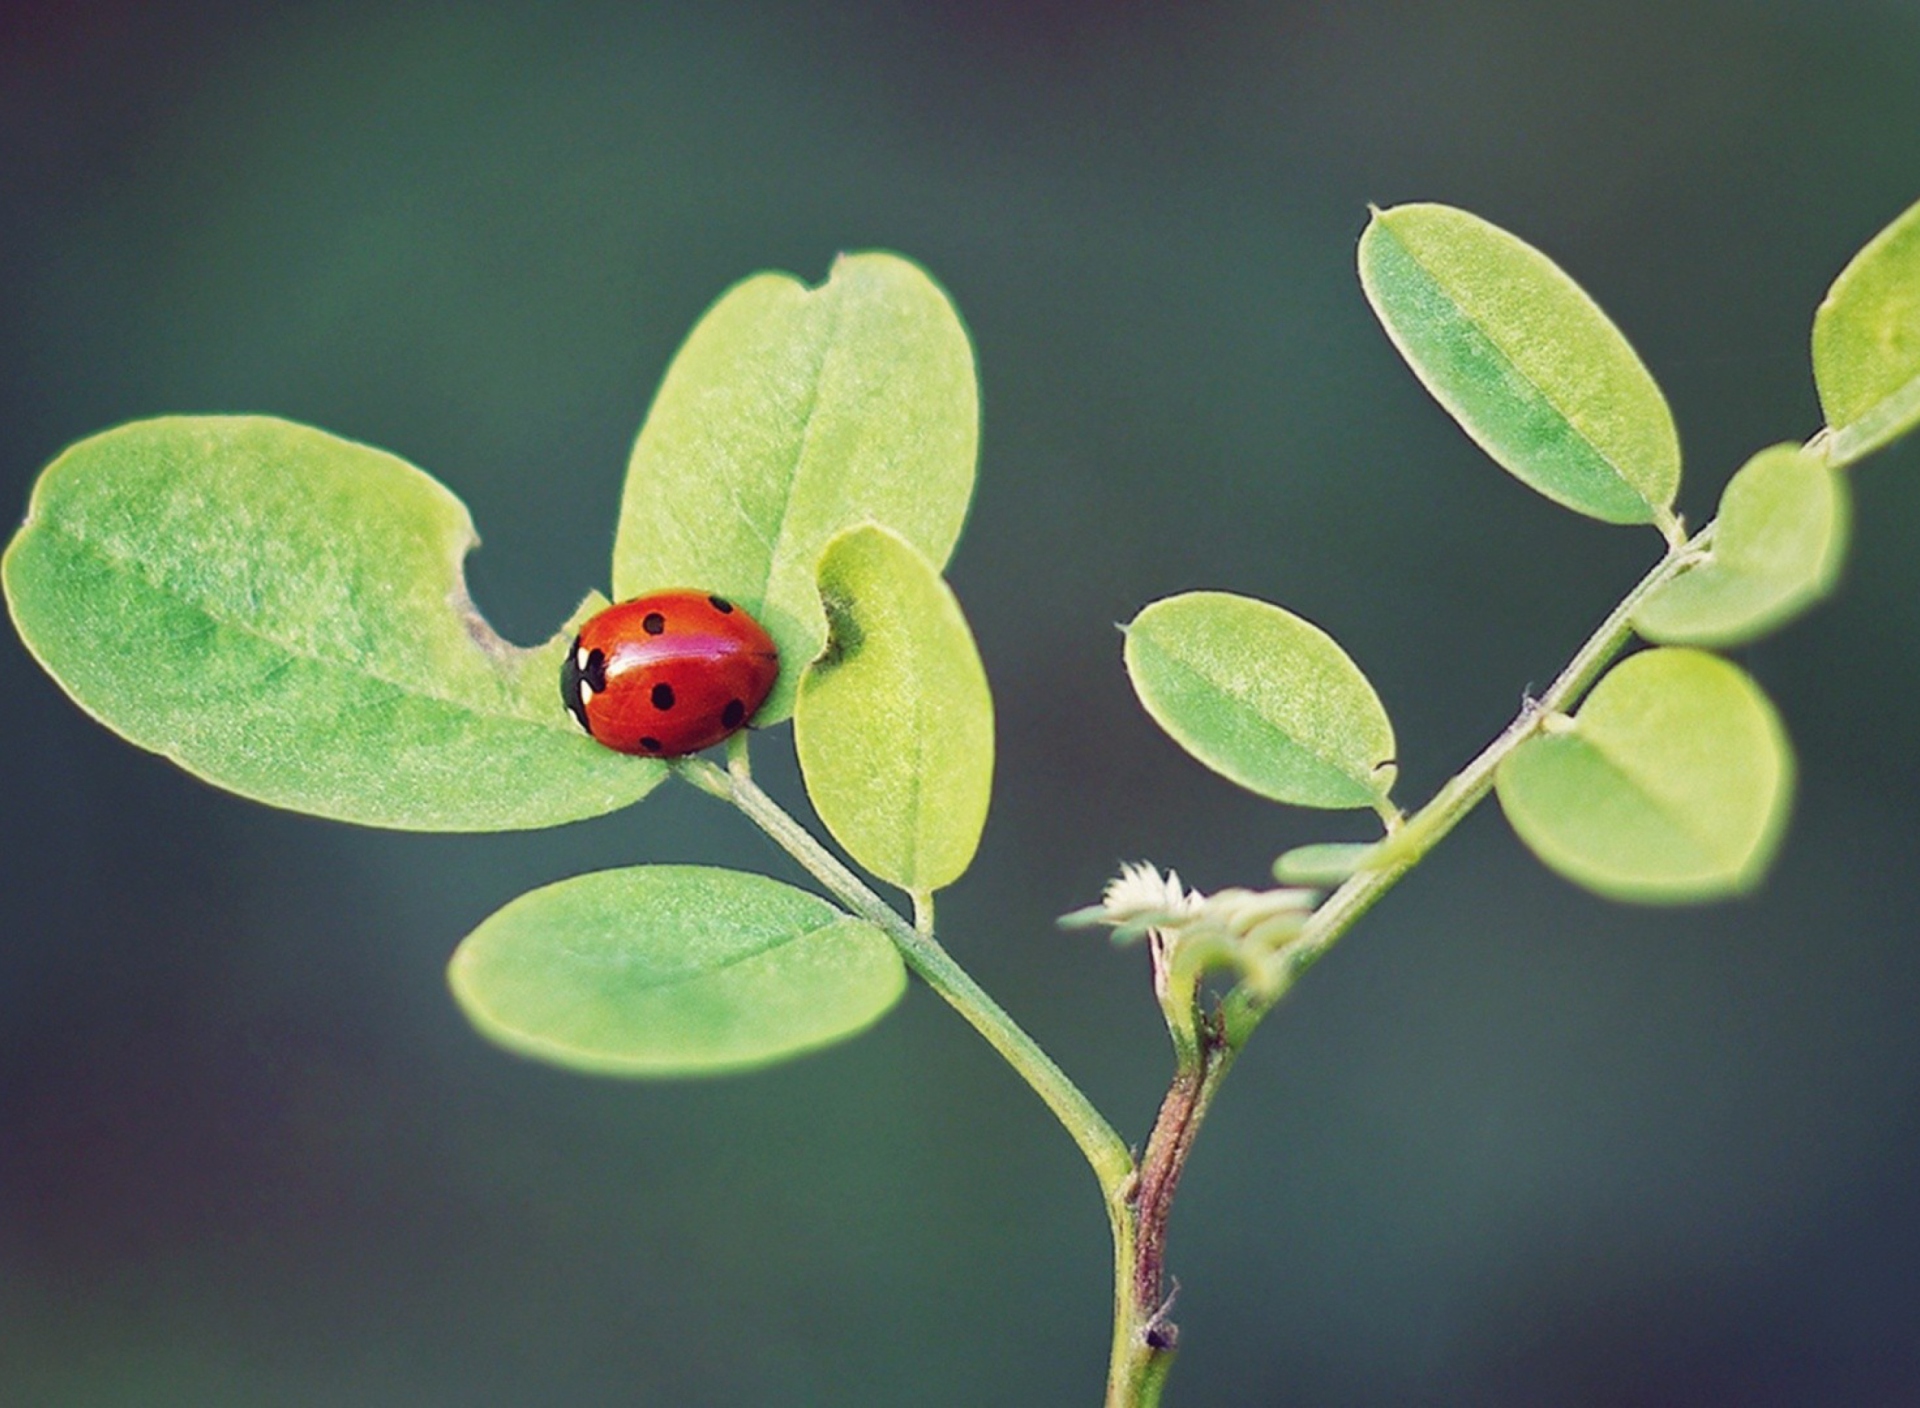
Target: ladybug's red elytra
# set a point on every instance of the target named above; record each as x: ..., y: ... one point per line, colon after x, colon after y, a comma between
x: 668, y: 673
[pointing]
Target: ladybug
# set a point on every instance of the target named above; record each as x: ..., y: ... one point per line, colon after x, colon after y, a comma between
x: 668, y: 673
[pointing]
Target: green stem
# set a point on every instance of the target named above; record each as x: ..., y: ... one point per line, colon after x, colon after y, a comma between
x: 1123, y: 1360
x: 1104, y: 1150
x: 1145, y: 1338
x: 1410, y: 842
x: 1140, y: 1199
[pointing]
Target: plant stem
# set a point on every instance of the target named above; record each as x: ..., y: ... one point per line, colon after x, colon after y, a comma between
x: 1104, y: 1150
x: 1109, y: 1157
x: 1145, y: 1338
x: 1139, y: 1199
x: 1423, y: 830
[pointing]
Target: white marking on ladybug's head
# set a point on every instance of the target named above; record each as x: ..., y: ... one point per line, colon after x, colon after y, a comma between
x: 586, y: 688
x: 580, y: 658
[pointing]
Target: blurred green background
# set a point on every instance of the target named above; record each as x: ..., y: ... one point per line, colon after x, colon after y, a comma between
x: 1509, y: 1145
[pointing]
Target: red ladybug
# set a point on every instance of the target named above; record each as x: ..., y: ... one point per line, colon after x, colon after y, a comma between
x: 668, y: 673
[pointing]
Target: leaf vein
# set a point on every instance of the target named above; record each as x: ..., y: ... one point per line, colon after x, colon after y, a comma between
x: 133, y: 566
x: 808, y: 417
x: 1499, y: 350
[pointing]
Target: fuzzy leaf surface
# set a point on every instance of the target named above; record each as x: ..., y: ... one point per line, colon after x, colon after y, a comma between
x: 1866, y: 344
x: 284, y: 614
x: 1673, y: 783
x: 792, y: 414
x: 894, y: 724
x: 1524, y: 360
x: 672, y: 970
x: 1262, y: 697
x: 1778, y: 544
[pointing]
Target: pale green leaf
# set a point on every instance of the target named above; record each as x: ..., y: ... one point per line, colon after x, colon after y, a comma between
x: 1324, y: 864
x: 1262, y: 697
x: 669, y: 970
x: 792, y: 414
x: 1527, y: 363
x: 284, y: 614
x: 1866, y: 344
x: 894, y: 724
x: 1778, y: 543
x: 1672, y: 783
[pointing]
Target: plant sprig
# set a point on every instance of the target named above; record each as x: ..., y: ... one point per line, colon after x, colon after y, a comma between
x: 284, y: 614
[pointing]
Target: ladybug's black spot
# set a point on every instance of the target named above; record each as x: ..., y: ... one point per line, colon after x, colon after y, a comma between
x: 663, y: 696
x: 734, y: 714
x: 722, y: 605
x: 652, y: 745
x: 653, y: 623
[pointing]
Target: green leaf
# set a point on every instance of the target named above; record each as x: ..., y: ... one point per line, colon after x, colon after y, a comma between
x: 1672, y: 784
x: 789, y: 415
x: 1526, y: 362
x: 284, y: 614
x: 1324, y: 864
x: 1264, y: 698
x: 1778, y: 543
x: 672, y: 970
x: 894, y: 724
x: 1866, y: 344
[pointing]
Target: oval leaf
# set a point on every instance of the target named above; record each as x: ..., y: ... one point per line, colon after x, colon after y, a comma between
x: 789, y: 415
x: 1324, y: 864
x: 1778, y: 543
x: 1526, y: 362
x: 1672, y: 784
x: 1262, y: 697
x: 669, y: 970
x: 283, y: 613
x: 894, y: 724
x: 1866, y: 344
